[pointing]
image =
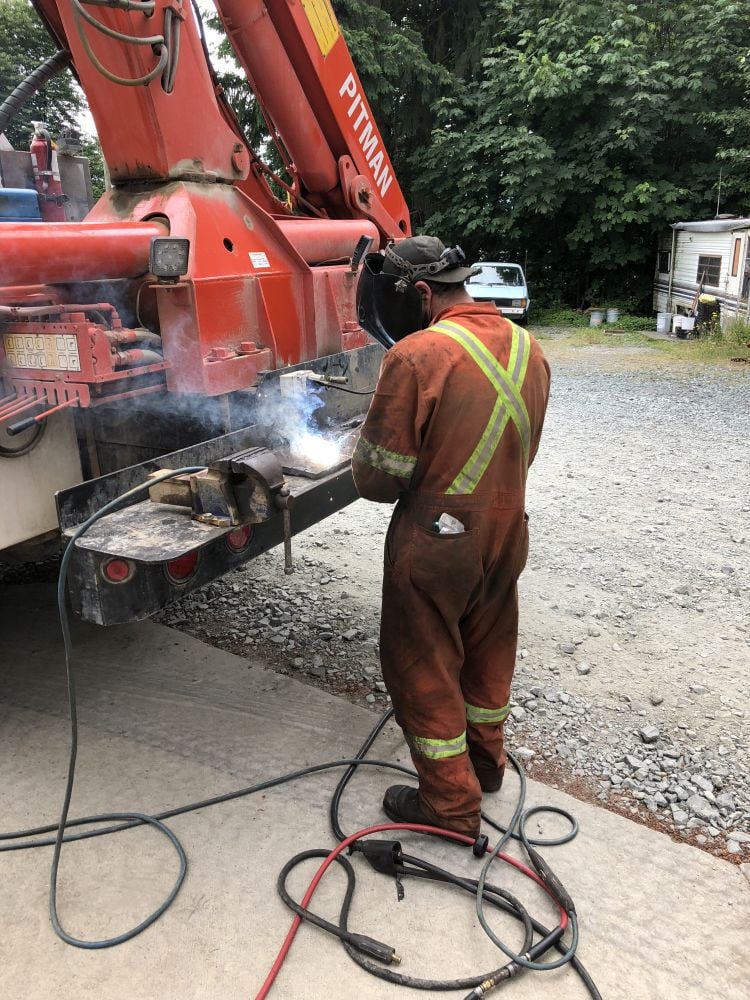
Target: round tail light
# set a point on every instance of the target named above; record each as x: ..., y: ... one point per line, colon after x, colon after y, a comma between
x: 181, y: 569
x: 239, y: 539
x: 118, y: 570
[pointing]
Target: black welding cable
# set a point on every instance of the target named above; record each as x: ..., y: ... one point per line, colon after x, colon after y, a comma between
x: 508, y: 831
x: 261, y: 786
x: 494, y: 895
x: 518, y: 821
x: 420, y: 868
x: 550, y: 880
x: 342, y: 388
x: 346, y: 777
x: 72, y: 706
x: 550, y: 938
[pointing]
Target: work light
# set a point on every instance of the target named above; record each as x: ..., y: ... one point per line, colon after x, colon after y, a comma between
x: 168, y: 258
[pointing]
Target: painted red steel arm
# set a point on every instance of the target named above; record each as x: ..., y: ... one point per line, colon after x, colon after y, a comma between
x: 300, y: 68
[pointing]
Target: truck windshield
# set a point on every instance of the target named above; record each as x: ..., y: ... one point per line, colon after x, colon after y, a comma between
x: 491, y: 274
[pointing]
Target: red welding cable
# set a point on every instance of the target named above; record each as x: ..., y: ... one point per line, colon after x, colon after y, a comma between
x: 415, y: 828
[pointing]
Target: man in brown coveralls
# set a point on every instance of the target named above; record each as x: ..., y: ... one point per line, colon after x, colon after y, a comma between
x: 453, y: 426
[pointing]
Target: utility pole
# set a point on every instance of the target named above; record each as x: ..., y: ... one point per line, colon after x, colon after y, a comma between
x: 718, y: 196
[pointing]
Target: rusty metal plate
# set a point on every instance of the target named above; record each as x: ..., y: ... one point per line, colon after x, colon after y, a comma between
x: 149, y: 532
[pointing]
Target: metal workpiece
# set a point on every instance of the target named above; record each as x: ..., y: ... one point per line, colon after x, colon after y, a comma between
x: 193, y: 527
x: 239, y: 489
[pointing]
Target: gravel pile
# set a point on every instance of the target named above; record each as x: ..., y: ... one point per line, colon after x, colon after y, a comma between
x: 686, y: 786
x: 307, y: 625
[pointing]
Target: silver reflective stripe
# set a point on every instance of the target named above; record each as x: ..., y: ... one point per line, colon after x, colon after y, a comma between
x: 438, y: 749
x: 488, y: 716
x: 401, y: 466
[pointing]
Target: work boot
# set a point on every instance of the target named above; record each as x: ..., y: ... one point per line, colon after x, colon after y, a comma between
x: 401, y: 804
x: 490, y: 778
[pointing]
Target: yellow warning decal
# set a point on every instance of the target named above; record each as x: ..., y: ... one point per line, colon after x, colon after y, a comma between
x: 323, y: 23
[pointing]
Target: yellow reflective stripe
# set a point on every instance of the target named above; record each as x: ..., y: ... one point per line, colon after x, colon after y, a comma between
x: 509, y: 404
x: 438, y: 749
x: 513, y: 359
x: 486, y: 715
x: 522, y: 336
x: 497, y: 375
x: 390, y: 462
x: 469, y: 477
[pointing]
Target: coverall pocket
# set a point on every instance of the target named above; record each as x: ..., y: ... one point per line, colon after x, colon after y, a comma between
x: 448, y: 567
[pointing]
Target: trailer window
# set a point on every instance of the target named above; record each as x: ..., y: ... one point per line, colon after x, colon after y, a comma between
x: 664, y: 261
x: 709, y: 270
x: 736, y: 257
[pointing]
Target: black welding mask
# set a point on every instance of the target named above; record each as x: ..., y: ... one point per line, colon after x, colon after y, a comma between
x: 389, y: 308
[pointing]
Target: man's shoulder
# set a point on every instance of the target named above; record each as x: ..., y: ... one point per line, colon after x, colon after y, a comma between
x: 419, y: 346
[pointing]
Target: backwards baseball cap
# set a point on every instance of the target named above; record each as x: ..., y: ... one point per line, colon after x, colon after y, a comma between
x: 425, y: 258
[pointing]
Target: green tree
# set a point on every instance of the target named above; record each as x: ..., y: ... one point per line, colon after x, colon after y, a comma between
x: 24, y: 45
x: 590, y: 126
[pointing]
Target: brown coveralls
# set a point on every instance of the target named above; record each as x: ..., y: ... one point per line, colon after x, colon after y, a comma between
x: 448, y: 433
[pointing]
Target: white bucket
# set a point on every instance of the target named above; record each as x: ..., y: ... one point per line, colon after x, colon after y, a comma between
x: 663, y: 322
x: 612, y: 316
x: 686, y: 323
x: 597, y: 317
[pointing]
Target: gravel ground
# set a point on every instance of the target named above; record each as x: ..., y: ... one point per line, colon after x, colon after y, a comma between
x: 633, y: 676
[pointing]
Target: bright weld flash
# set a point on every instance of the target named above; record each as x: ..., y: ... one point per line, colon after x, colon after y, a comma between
x: 320, y: 450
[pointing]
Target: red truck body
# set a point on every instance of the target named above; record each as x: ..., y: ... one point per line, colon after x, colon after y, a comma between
x: 138, y: 363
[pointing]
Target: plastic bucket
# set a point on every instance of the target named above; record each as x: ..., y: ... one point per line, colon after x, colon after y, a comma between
x: 663, y: 322
x: 597, y: 317
x: 612, y: 316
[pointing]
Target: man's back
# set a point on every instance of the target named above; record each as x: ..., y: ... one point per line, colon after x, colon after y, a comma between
x: 458, y: 412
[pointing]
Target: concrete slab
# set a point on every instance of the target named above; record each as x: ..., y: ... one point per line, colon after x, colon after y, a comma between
x: 166, y: 719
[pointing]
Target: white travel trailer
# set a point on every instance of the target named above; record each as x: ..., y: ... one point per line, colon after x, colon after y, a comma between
x: 710, y: 257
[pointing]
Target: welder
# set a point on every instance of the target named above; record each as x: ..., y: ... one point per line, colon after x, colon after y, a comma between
x: 452, y: 429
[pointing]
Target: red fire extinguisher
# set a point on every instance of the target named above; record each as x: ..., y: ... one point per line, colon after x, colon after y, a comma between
x: 47, y: 175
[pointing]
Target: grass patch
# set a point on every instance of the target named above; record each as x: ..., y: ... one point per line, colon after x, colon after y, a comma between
x: 572, y: 329
x: 701, y: 349
x: 596, y: 336
x: 571, y: 318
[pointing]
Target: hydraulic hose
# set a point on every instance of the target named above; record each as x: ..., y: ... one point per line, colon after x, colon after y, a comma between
x: 28, y: 87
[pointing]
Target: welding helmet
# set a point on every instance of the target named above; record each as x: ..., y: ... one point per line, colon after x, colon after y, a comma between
x: 389, y: 307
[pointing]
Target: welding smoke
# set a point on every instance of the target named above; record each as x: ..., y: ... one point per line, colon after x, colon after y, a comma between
x: 295, y: 418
